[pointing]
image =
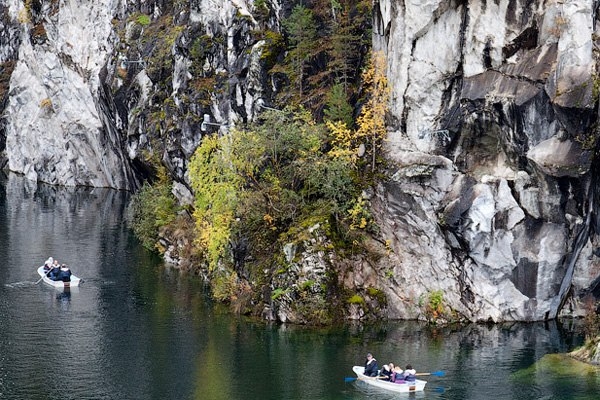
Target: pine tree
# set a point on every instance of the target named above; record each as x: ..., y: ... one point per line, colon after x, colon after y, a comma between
x: 327, y: 44
x: 337, y: 106
x: 302, y: 34
x: 350, y: 34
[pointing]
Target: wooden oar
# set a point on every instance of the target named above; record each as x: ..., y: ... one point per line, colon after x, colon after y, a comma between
x: 435, y: 373
x: 46, y: 274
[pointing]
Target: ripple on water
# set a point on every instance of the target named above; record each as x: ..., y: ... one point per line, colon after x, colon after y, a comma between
x: 20, y: 284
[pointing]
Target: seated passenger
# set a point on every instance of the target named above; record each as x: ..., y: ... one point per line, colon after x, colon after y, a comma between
x: 398, y: 376
x: 64, y: 274
x: 410, y: 375
x: 391, y: 375
x: 371, y: 367
x: 48, y: 264
x: 385, y: 373
x: 55, y: 271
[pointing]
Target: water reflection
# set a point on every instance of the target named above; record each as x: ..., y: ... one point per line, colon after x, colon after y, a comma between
x: 74, y: 225
x: 64, y: 296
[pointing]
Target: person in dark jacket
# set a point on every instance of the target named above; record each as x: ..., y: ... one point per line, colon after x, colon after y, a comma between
x: 55, y: 271
x: 64, y: 274
x: 387, y: 372
x: 371, y: 368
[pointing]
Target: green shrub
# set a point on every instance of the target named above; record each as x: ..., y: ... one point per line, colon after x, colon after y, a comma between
x: 224, y: 287
x: 278, y: 293
x: 265, y: 181
x: 153, y: 207
x: 434, y: 309
x: 307, y: 284
x: 143, y: 20
x: 356, y: 299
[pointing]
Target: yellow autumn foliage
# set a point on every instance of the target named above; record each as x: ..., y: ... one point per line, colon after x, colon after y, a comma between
x: 371, y: 121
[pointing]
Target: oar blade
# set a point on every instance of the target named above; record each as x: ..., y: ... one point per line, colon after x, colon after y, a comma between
x: 349, y: 379
x: 438, y: 373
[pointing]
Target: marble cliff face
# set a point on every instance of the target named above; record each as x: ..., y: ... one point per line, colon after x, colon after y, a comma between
x: 494, y: 132
x: 492, y: 129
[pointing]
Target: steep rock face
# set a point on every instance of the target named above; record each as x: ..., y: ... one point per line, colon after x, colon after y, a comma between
x: 54, y: 130
x: 100, y: 92
x: 495, y: 113
x: 189, y: 63
x: 10, y: 41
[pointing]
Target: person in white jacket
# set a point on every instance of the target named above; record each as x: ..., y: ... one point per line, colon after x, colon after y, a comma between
x: 48, y: 263
x: 410, y: 375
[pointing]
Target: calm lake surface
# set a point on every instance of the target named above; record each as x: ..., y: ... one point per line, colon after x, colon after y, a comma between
x: 137, y: 330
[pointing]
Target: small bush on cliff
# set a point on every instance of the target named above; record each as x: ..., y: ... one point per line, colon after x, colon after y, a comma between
x: 46, y: 105
x: 153, y: 207
x: 435, y: 305
x: 356, y: 299
x: 436, y: 310
x: 591, y: 320
x: 143, y: 20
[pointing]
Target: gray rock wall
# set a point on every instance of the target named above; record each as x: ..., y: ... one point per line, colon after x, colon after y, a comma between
x: 96, y: 96
x: 494, y: 133
x: 53, y: 123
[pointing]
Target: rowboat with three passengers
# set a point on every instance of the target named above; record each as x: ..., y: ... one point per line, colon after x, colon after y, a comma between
x: 73, y: 282
x: 58, y: 276
x: 400, y: 386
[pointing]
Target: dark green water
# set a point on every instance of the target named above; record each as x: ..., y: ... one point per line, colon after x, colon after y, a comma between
x: 136, y: 330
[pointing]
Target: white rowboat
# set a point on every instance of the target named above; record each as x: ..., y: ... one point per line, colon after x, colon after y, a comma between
x: 58, y: 284
x: 417, y: 386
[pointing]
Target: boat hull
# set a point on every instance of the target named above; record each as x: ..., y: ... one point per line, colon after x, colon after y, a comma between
x: 75, y: 281
x: 417, y: 386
